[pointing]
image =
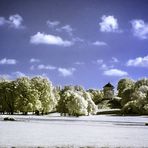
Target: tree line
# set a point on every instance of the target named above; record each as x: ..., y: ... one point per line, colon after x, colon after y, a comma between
x: 37, y: 95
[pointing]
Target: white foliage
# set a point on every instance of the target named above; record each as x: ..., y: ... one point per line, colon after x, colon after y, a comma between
x: 143, y: 89
x: 76, y: 104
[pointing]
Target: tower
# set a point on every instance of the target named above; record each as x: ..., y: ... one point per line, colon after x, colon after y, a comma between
x: 108, y: 91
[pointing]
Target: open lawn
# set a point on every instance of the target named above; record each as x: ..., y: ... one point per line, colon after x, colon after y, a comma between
x: 53, y: 130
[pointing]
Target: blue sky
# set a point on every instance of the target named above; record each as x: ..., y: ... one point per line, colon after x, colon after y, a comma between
x: 81, y: 42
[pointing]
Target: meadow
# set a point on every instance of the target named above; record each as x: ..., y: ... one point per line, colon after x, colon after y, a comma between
x: 85, y: 131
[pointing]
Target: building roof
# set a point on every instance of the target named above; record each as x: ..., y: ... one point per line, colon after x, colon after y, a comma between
x: 109, y: 85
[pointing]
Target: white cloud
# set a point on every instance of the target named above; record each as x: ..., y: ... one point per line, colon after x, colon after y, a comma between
x: 14, y: 21
x: 138, y: 62
x: 32, y: 60
x: 114, y: 60
x: 67, y: 28
x: 32, y: 67
x: 41, y: 38
x: 140, y: 29
x: 115, y: 72
x: 18, y: 74
x: 99, y: 61
x: 56, y: 27
x: 66, y: 72
x: 104, y: 67
x: 79, y: 63
x: 109, y: 24
x: 46, y: 67
x: 2, y: 21
x: 6, y: 61
x: 99, y: 43
x: 52, y: 23
x: 77, y: 39
x: 5, y: 77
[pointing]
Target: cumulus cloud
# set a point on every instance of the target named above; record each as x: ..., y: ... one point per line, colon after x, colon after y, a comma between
x: 79, y: 63
x: 109, y: 24
x: 99, y: 43
x: 32, y: 60
x: 104, y: 67
x: 140, y: 29
x: 2, y: 21
x: 6, y: 61
x: 114, y: 60
x: 14, y: 21
x: 5, y: 77
x: 52, y: 23
x: 46, y: 67
x: 99, y: 61
x: 115, y: 72
x: 42, y: 38
x: 12, y: 76
x: 18, y: 74
x: 66, y: 72
x: 109, y: 69
x: 77, y: 39
x: 57, y: 27
x: 138, y: 62
x: 66, y: 28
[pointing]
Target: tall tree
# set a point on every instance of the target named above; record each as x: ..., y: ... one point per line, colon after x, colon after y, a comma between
x: 45, y: 93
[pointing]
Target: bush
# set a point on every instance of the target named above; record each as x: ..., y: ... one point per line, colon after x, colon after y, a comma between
x: 9, y: 119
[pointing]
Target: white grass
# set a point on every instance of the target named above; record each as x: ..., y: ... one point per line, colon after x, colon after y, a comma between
x: 53, y: 130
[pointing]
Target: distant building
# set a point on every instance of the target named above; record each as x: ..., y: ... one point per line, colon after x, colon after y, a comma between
x: 108, y: 91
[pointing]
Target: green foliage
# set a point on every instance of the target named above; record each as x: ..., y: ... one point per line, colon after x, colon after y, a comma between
x: 135, y: 99
x: 141, y: 82
x: 96, y: 95
x: 115, y: 102
x: 27, y: 95
x: 104, y: 104
x: 76, y: 104
x: 7, y: 96
x: 24, y: 95
x: 45, y: 94
x: 75, y: 101
x: 38, y: 95
x: 126, y: 95
x: 124, y: 84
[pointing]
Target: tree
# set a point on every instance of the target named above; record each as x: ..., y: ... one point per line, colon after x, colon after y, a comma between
x: 76, y: 104
x: 126, y: 95
x: 74, y: 100
x: 141, y: 82
x: 124, y: 84
x: 115, y: 102
x: 91, y: 108
x: 26, y: 98
x: 138, y: 103
x: 96, y: 95
x: 3, y: 97
x: 45, y: 93
x: 8, y: 96
x: 61, y: 106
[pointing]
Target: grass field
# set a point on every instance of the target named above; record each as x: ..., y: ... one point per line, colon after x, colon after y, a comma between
x: 55, y: 131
